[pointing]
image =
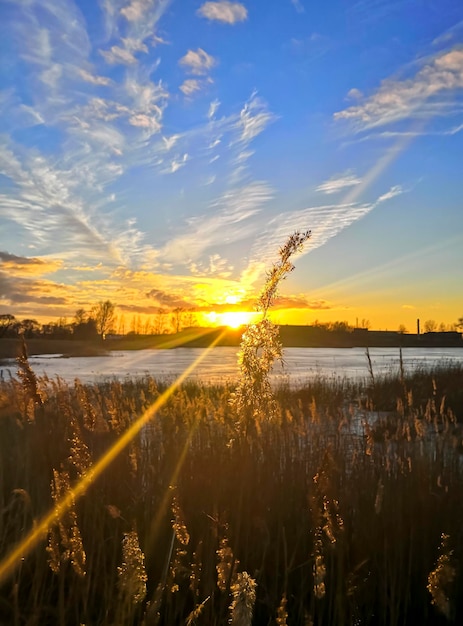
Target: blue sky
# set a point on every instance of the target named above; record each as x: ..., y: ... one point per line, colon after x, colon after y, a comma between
x: 157, y: 153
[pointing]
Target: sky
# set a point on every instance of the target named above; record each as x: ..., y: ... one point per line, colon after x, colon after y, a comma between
x: 157, y: 153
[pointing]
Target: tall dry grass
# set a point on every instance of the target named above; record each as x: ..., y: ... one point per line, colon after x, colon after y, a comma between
x: 341, y: 505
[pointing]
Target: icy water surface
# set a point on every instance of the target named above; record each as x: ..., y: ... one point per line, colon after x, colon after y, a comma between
x: 219, y: 365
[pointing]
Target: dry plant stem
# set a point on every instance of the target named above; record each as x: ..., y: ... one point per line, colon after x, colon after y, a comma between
x: 261, y: 346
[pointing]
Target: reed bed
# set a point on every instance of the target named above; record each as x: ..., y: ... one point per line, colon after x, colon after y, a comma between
x: 338, y: 510
x: 336, y: 503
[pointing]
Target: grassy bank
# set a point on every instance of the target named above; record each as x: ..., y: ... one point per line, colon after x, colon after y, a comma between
x: 194, y: 337
x: 11, y: 348
x: 345, y: 508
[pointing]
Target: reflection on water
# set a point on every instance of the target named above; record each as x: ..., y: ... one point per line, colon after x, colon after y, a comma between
x: 220, y: 364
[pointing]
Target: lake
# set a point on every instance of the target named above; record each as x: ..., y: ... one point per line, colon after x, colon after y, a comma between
x: 219, y: 365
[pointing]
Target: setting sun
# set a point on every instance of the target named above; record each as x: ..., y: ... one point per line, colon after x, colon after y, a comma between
x: 232, y: 319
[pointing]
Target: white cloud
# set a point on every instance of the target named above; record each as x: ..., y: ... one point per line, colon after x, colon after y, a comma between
x: 224, y: 11
x: 34, y: 115
x: 145, y: 121
x: 88, y: 77
x: 189, y: 86
x: 455, y: 130
x: 197, y: 62
x: 338, y: 183
x: 134, y: 45
x: 354, y: 94
x: 118, y: 55
x: 52, y: 75
x: 134, y: 11
x: 396, y: 190
x: 425, y: 94
x: 148, y: 100
x: 213, y: 107
x: 177, y: 164
x: 254, y: 118
x: 169, y: 142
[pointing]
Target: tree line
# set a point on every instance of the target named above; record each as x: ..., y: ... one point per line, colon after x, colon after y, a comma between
x: 100, y: 321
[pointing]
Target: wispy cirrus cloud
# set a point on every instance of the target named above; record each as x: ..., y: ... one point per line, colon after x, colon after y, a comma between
x: 325, y: 222
x: 338, y: 182
x: 176, y: 164
x: 450, y: 34
x: 93, y: 78
x: 224, y: 11
x: 297, y: 4
x: 116, y: 55
x: 394, y: 191
x: 227, y: 221
x: 433, y: 90
x: 254, y: 119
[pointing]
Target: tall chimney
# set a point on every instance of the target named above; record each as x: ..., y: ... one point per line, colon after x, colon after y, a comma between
x: 418, y: 326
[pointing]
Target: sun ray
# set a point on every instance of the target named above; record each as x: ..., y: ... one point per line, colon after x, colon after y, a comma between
x: 37, y: 534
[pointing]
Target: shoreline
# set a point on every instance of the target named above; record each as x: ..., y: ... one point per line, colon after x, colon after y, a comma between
x: 291, y: 337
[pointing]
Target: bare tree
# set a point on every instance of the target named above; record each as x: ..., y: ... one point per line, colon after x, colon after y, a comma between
x: 6, y: 321
x: 190, y: 318
x: 30, y: 327
x: 80, y: 317
x: 430, y: 326
x: 402, y: 329
x: 176, y: 319
x: 121, y: 325
x: 159, y: 322
x: 103, y: 314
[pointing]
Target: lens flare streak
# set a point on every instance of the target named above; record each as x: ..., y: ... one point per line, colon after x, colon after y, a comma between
x: 41, y: 528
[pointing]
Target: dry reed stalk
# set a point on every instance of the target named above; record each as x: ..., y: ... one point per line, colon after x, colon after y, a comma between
x: 64, y: 539
x: 282, y: 613
x: 32, y: 393
x: 132, y: 572
x: 440, y: 579
x: 260, y: 347
x: 196, y: 568
x: 192, y: 618
x: 243, y: 591
x: 178, y: 522
x: 226, y: 566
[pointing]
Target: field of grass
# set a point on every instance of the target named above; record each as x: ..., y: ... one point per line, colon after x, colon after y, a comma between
x: 341, y: 509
